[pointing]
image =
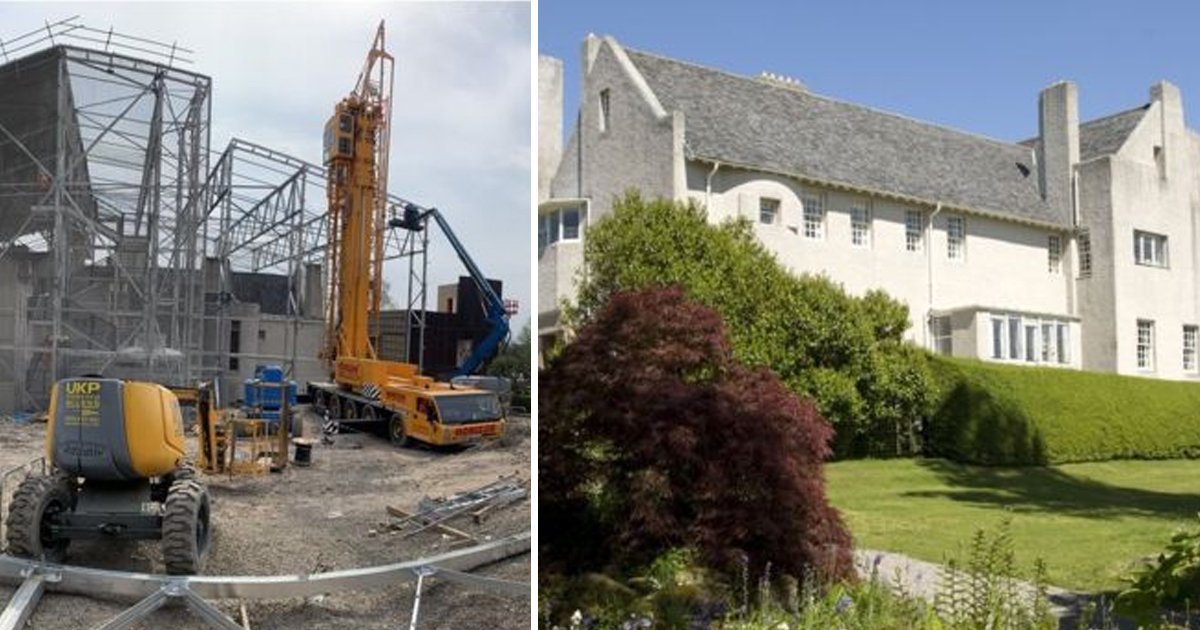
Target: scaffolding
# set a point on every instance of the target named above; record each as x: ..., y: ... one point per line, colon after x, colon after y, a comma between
x: 105, y: 149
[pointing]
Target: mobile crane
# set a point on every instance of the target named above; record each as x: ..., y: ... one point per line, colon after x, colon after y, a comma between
x: 364, y: 388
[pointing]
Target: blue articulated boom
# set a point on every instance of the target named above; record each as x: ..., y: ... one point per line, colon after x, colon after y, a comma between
x: 415, y: 218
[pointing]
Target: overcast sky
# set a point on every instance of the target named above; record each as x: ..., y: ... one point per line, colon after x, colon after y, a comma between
x: 461, y: 108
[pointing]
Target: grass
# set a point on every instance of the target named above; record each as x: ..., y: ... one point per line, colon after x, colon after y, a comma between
x: 1090, y: 522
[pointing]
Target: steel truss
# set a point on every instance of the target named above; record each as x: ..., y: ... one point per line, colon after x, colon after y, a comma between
x: 156, y: 590
x: 99, y: 202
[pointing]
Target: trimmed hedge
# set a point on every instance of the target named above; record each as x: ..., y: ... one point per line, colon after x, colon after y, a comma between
x: 1002, y: 414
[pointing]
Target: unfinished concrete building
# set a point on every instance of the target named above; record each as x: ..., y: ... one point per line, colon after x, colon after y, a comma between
x: 130, y: 248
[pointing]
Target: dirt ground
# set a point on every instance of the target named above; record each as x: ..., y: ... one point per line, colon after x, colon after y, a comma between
x: 321, y: 518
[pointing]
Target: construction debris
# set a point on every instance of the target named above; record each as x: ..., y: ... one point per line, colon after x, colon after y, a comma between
x: 436, y: 512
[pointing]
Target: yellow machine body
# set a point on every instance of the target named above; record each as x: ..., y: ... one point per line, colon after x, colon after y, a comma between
x: 113, y: 430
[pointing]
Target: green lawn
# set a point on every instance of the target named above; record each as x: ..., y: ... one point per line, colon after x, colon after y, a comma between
x: 1089, y: 522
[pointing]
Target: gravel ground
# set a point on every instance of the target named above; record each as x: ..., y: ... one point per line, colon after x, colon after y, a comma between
x: 321, y: 517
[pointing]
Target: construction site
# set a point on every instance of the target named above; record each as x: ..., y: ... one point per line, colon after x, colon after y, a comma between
x: 322, y: 458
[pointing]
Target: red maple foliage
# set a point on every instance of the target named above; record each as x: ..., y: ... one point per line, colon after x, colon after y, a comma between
x: 651, y: 436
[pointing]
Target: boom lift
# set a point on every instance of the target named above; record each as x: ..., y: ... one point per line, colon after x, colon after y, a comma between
x: 366, y: 389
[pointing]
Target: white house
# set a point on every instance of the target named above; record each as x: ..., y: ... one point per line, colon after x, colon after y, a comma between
x: 1076, y: 248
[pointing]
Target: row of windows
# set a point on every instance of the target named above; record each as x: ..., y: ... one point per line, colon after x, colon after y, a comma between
x: 914, y: 228
x: 1031, y: 340
x: 1146, y: 339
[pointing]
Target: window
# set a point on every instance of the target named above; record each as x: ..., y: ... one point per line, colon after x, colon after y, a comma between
x: 1085, y: 254
x: 570, y: 224
x: 235, y: 342
x: 998, y: 337
x: 262, y: 335
x: 941, y: 333
x: 1049, y: 350
x: 1054, y: 253
x: 768, y: 211
x: 1031, y: 342
x: 814, y: 216
x: 1189, y: 348
x: 1145, y: 344
x: 1064, y: 343
x: 914, y: 222
x: 1149, y: 249
x: 1014, y: 337
x: 860, y: 225
x: 559, y: 225
x: 604, y: 110
x: 956, y: 245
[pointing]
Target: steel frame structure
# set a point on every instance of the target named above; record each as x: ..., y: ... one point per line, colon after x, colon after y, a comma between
x: 130, y: 192
x: 154, y: 591
x: 108, y: 226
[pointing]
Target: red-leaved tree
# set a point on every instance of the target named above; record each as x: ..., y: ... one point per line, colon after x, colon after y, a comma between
x: 651, y: 436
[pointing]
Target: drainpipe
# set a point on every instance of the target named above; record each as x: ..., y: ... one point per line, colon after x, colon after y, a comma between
x: 708, y: 186
x: 929, y: 276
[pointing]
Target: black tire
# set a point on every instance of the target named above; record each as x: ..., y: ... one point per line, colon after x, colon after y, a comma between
x: 186, y: 470
x: 320, y: 401
x: 186, y: 532
x: 396, y: 433
x: 37, y: 504
x: 369, y: 414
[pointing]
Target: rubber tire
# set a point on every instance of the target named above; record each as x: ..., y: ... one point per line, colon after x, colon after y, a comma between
x: 187, y: 529
x: 369, y: 413
x: 186, y: 470
x: 37, y: 498
x: 396, y: 433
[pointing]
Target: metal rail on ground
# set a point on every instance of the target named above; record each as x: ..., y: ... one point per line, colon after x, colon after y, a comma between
x: 196, y: 591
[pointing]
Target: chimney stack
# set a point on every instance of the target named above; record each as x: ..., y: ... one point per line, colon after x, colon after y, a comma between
x: 1058, y: 145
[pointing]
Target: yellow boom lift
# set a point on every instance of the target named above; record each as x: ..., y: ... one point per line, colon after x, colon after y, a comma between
x: 366, y: 389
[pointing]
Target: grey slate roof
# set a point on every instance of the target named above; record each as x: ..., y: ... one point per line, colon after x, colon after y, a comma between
x: 1104, y: 136
x: 755, y: 123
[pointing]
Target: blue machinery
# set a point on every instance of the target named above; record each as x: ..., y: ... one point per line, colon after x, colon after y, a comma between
x: 415, y: 219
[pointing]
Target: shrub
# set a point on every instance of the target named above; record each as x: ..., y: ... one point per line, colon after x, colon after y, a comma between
x: 654, y: 437
x: 1003, y: 414
x: 1170, y: 581
x: 844, y: 352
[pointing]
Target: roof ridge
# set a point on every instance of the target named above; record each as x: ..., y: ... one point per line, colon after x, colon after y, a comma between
x: 1115, y: 114
x: 811, y: 93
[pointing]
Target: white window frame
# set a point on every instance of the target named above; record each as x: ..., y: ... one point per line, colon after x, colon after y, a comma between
x: 956, y: 237
x: 1145, y: 345
x: 999, y: 337
x: 1150, y: 249
x: 860, y: 224
x: 914, y: 230
x: 814, y: 216
x: 942, y: 334
x: 771, y: 205
x: 551, y: 228
x: 1054, y: 253
x: 1190, y: 334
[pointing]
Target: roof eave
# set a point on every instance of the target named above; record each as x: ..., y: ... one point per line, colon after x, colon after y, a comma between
x: 855, y: 188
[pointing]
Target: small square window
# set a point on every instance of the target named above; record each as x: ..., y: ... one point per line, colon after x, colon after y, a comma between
x: 768, y: 211
x: 1149, y: 249
x: 570, y: 224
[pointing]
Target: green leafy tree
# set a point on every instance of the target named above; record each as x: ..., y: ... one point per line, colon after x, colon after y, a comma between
x: 516, y: 364
x: 845, y: 352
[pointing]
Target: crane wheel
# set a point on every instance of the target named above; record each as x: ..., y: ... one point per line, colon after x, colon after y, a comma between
x: 36, y: 505
x: 396, y: 433
x: 186, y: 533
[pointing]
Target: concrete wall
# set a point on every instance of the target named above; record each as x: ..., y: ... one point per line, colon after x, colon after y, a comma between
x: 1011, y: 257
x: 641, y: 147
x: 1154, y: 189
x: 550, y: 121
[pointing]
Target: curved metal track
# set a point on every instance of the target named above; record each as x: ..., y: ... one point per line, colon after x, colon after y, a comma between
x: 156, y: 590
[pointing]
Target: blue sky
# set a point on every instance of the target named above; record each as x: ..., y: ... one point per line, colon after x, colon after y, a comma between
x: 975, y: 66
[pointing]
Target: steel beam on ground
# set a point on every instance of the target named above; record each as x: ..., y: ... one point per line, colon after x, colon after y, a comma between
x: 20, y: 607
x: 86, y: 581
